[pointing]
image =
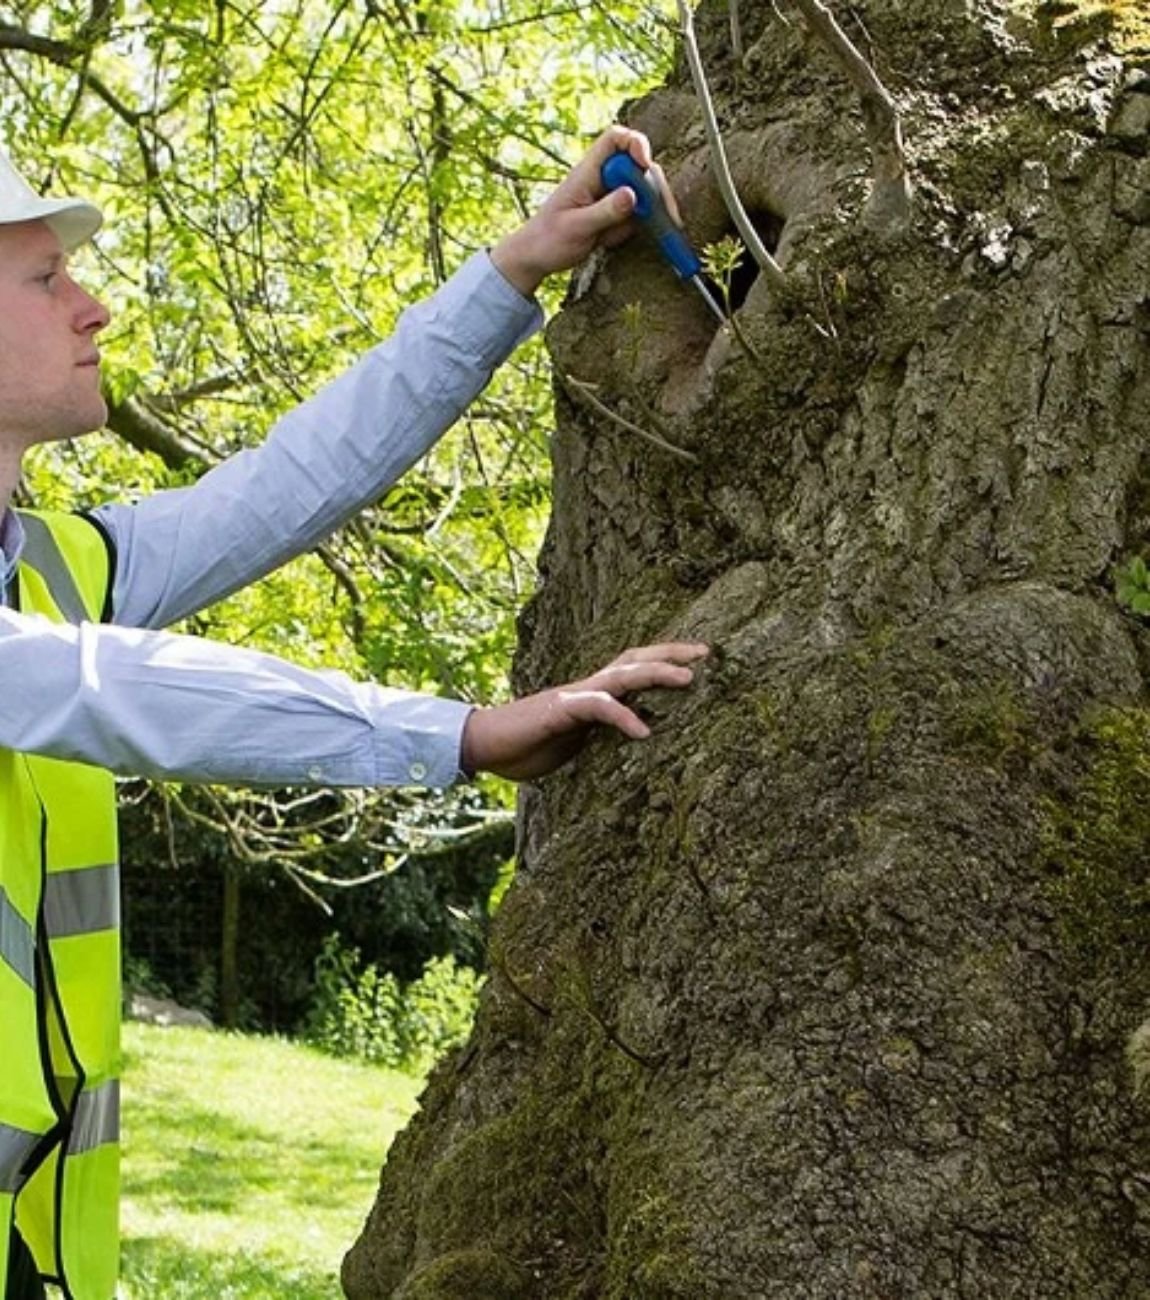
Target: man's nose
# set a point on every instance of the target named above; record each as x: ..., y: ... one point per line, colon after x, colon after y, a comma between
x: 91, y: 314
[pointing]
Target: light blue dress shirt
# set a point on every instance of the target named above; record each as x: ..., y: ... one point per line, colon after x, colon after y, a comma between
x: 150, y: 703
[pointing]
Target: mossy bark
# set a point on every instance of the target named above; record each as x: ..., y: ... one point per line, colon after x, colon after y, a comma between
x: 825, y: 991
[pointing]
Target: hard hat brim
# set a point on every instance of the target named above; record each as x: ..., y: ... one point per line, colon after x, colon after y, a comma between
x: 73, y: 221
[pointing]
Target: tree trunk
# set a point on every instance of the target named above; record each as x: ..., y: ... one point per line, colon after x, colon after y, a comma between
x: 230, y: 948
x: 832, y: 988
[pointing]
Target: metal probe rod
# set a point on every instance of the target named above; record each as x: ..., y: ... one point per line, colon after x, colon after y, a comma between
x: 621, y: 170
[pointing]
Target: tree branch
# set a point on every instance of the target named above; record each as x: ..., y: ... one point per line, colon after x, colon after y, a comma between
x: 66, y: 54
x: 63, y: 53
x: 346, y: 580
x: 473, y: 101
x: 98, y: 24
x: 69, y: 54
x: 889, y: 203
x: 136, y: 424
x: 213, y: 386
x: 766, y: 263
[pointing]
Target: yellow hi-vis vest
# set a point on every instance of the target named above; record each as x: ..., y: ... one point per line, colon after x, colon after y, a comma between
x: 60, y: 964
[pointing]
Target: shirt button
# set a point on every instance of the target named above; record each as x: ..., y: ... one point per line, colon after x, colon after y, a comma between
x: 417, y: 771
x: 315, y: 773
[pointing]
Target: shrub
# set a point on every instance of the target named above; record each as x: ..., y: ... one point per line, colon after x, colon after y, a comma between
x: 362, y: 1012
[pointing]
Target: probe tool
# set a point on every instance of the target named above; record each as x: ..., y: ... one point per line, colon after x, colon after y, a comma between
x: 621, y: 170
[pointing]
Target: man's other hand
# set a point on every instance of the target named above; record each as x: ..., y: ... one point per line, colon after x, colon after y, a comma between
x: 533, y: 736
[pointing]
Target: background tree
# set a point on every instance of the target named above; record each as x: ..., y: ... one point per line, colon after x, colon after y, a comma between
x: 828, y: 990
x: 280, y: 181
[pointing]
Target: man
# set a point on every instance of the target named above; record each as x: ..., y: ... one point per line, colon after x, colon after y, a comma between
x: 88, y: 688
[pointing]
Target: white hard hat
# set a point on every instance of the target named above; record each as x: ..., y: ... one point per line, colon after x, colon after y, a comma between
x: 73, y: 220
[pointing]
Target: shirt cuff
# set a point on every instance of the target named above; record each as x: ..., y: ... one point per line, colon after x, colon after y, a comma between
x: 487, y: 313
x: 417, y: 738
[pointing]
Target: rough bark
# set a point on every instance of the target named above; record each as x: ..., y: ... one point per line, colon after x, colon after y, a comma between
x: 827, y: 990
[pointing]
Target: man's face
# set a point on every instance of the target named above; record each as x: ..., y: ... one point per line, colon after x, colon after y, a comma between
x: 49, y: 365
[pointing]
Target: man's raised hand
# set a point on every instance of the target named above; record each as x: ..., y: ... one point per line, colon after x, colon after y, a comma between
x: 579, y: 216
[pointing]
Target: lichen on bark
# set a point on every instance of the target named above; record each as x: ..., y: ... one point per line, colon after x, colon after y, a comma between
x: 814, y: 994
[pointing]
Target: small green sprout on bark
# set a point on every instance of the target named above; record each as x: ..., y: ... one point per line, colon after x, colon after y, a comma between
x: 633, y: 326
x: 721, y: 260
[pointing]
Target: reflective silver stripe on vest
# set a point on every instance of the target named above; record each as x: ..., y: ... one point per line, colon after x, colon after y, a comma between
x: 82, y: 902
x: 16, y: 1145
x: 17, y: 941
x: 43, y: 554
x: 97, y: 1119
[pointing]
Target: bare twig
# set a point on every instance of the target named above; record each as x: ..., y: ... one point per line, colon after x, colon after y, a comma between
x: 736, y: 30
x: 475, y: 102
x: 212, y: 386
x: 586, y: 393
x: 889, y: 203
x: 347, y: 882
x: 275, y: 830
x: 346, y: 580
x: 77, y: 99
x: 302, y: 885
x: 758, y: 250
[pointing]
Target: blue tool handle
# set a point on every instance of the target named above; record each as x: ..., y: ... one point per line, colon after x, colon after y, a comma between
x: 622, y: 170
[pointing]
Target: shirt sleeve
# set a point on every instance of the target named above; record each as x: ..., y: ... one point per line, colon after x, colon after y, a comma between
x: 181, y: 550
x: 157, y: 704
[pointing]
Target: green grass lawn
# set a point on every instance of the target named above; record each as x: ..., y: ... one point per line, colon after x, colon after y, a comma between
x: 249, y: 1163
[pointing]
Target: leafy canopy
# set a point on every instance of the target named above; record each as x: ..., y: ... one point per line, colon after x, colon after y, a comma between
x: 280, y: 178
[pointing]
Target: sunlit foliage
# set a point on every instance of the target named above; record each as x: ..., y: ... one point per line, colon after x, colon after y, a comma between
x: 280, y: 178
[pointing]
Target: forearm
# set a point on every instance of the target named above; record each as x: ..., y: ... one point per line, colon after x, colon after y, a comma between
x: 160, y: 705
x: 182, y: 550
